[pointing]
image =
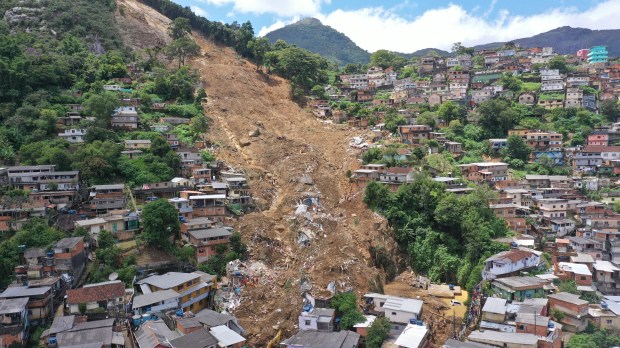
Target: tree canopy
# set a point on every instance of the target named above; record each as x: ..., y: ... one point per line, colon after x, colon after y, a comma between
x: 160, y: 221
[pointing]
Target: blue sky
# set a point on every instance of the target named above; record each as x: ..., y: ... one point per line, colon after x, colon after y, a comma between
x: 408, y: 25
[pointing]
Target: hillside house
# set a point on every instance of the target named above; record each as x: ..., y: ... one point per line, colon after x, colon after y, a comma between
x: 40, y: 178
x: 137, y: 144
x: 577, y: 272
x: 398, y: 310
x: 320, y: 319
x: 551, y: 103
x: 504, y: 339
x: 607, y: 277
x: 206, y: 241
x: 100, y: 295
x: 510, y: 262
x: 396, y: 176
x: 73, y: 136
x: 414, y: 336
x: 72, y: 331
x: 485, y: 171
x: 14, y: 324
x: 126, y: 117
x: 414, y: 134
x: 156, y: 301
x: 183, y: 207
x: 312, y: 339
x: 494, y: 310
x: 519, y: 288
x: 211, y: 206
x: 194, y: 290
x: 574, y: 98
x: 527, y: 98
x: 498, y: 144
x: 574, y: 308
x: 104, y: 198
x: 39, y: 300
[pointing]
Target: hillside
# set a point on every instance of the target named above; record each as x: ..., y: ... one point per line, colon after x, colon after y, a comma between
x: 568, y: 40
x: 291, y: 145
x: 311, y: 34
x: 425, y: 52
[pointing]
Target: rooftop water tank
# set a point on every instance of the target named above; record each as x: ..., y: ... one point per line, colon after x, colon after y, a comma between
x: 146, y: 317
x: 179, y: 312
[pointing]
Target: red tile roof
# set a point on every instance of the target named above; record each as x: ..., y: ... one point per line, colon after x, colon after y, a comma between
x: 96, y: 292
x: 601, y: 148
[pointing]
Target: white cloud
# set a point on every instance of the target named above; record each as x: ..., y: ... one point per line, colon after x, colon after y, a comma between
x: 198, y: 11
x: 282, y: 8
x: 379, y: 28
x: 277, y: 25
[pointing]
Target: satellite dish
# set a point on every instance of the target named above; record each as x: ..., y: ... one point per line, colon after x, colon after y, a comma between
x: 113, y: 276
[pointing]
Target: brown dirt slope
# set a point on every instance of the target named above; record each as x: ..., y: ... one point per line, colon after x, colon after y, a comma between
x: 292, y: 143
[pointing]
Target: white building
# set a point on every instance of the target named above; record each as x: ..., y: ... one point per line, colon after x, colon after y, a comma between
x: 508, y: 262
x: 399, y: 311
x: 156, y: 302
x: 73, y: 136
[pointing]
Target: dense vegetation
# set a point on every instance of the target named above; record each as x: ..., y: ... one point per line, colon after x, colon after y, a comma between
x: 446, y: 236
x: 69, y: 52
x: 304, y: 69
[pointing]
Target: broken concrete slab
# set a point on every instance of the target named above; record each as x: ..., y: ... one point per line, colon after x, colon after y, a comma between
x: 306, y: 179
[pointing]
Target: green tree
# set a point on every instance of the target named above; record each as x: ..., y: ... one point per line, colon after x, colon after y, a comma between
x: 385, y: 59
x: 568, y: 286
x: 558, y: 62
x: 516, y: 148
x: 319, y: 92
x: 101, y: 106
x: 610, y: 109
x: 458, y: 48
x: 179, y: 27
x: 377, y: 195
x: 259, y: 48
x: 511, y: 83
x: 497, y: 116
x: 105, y: 240
x: 182, y: 49
x: 372, y: 155
x: 346, y: 304
x: 161, y: 221
x: 378, y: 332
x: 450, y: 111
x: 238, y: 246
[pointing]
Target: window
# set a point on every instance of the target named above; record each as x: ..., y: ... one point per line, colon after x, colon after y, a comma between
x: 583, y: 277
x: 393, y: 313
x: 307, y: 322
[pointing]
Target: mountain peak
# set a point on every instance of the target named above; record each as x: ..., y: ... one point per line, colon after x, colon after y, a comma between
x: 309, y: 21
x: 311, y: 34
